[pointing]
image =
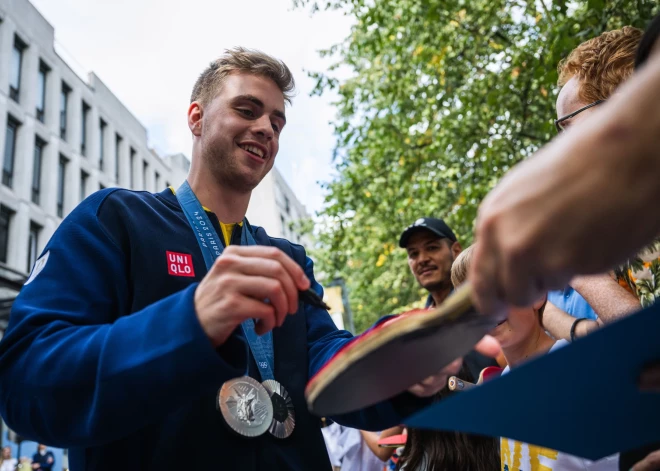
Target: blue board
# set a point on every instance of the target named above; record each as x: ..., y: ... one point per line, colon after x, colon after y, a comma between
x: 581, y: 399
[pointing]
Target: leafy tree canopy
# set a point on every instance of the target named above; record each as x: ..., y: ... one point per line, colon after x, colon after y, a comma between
x: 444, y: 96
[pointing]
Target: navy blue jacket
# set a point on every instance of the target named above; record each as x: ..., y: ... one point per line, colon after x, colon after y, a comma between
x: 104, y: 354
x: 42, y: 460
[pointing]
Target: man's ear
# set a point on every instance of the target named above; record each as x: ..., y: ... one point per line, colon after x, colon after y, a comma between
x: 456, y: 249
x: 538, y: 305
x: 195, y: 113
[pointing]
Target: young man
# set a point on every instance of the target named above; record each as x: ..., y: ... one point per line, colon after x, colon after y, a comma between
x: 142, y: 348
x: 432, y: 248
x: 522, y: 337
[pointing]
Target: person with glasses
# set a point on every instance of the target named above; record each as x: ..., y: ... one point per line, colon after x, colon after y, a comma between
x: 589, y: 76
x: 581, y: 204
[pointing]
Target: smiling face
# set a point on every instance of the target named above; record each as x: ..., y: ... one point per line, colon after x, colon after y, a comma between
x: 238, y: 131
x: 430, y: 259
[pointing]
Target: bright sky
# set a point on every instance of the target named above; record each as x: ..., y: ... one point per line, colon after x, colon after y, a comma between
x: 150, y: 52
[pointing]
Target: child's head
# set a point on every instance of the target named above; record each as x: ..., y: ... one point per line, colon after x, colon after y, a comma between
x: 521, y: 321
x: 459, y: 269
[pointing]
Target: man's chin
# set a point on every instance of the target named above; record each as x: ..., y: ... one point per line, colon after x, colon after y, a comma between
x: 434, y: 285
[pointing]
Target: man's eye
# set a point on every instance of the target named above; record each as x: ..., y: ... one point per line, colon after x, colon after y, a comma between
x: 246, y: 112
x: 276, y: 128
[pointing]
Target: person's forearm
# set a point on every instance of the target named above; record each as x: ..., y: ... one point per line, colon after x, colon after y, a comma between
x: 371, y: 439
x: 606, y: 297
x: 559, y: 323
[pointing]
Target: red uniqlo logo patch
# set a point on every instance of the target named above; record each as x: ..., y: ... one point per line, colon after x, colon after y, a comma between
x: 179, y: 264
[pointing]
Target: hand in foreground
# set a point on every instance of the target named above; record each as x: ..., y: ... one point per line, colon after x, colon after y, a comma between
x: 650, y: 463
x: 569, y: 209
x: 237, y: 285
x: 433, y: 384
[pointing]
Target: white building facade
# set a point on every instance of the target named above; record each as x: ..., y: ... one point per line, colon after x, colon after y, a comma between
x: 274, y: 207
x: 64, y: 138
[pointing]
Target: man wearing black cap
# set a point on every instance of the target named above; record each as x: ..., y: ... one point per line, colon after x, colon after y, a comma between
x: 432, y: 248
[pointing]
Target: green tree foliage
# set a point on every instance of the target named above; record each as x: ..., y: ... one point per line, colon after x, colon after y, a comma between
x: 444, y: 96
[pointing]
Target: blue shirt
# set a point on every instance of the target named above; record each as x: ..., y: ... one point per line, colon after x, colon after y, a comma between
x: 570, y: 301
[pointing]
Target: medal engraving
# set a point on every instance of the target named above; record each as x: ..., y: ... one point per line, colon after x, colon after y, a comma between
x: 246, y: 406
x: 284, y: 416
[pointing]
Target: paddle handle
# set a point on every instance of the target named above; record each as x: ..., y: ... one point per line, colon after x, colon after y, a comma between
x: 457, y: 384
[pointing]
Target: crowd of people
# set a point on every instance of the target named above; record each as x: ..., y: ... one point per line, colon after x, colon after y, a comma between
x: 588, y: 77
x: 194, y: 347
x: 42, y: 460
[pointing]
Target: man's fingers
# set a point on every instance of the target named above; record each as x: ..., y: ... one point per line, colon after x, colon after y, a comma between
x: 650, y: 463
x: 261, y: 267
x: 273, y: 253
x: 433, y: 384
x: 488, y: 346
x: 484, y: 278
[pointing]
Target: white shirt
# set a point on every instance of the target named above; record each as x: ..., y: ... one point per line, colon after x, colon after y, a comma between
x: 347, y: 449
x: 9, y: 464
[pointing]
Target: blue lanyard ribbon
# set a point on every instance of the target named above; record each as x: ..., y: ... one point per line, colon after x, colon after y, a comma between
x: 209, y: 243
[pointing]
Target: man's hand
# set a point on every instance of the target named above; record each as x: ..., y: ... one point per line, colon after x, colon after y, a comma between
x: 569, y: 209
x: 650, y: 463
x: 237, y: 287
x: 433, y: 384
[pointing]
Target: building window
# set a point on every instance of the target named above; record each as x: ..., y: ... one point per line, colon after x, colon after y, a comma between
x: 118, y: 140
x: 101, y: 186
x: 61, y: 175
x: 83, y: 184
x: 283, y: 225
x: 145, y: 169
x: 130, y: 169
x: 5, y: 221
x: 83, y: 133
x: 33, y: 245
x: 16, y: 66
x: 102, y: 126
x: 287, y: 205
x: 41, y: 91
x: 157, y: 182
x: 36, y: 169
x: 64, y: 105
x: 10, y: 152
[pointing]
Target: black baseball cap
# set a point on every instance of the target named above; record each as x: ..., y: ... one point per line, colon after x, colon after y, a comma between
x: 437, y: 226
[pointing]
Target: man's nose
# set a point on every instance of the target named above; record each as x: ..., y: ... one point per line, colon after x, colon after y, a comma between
x: 263, y: 127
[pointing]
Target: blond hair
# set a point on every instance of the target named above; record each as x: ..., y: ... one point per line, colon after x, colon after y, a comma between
x: 461, y: 265
x: 601, y: 64
x: 244, y: 60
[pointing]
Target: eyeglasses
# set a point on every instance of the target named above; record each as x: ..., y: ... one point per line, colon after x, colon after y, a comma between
x: 558, y: 122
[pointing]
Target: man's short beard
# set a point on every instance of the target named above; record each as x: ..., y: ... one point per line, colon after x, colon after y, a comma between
x: 224, y: 172
x: 439, y: 286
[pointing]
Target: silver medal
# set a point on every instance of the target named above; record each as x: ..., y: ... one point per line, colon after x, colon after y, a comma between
x: 246, y: 406
x: 284, y: 416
